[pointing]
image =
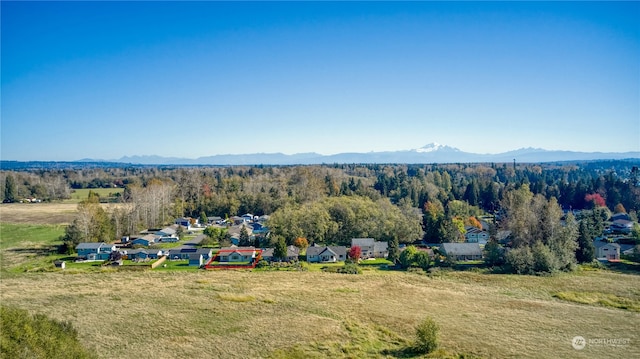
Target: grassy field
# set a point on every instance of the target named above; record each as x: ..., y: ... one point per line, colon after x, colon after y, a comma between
x: 182, y: 312
x: 78, y: 195
x: 42, y: 213
x: 229, y: 314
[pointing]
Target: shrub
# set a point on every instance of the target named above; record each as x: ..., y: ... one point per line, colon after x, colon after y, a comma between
x: 427, y: 336
x: 36, y: 336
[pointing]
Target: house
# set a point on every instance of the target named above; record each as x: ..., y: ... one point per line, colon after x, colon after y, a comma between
x: 461, y: 251
x: 237, y: 254
x: 292, y: 254
x: 167, y: 232
x: 607, y: 251
x: 234, y: 233
x: 146, y: 241
x: 263, y: 219
x: 188, y: 222
x: 621, y: 226
x: 171, y: 239
x: 475, y: 235
x: 196, y: 259
x: 95, y: 251
x: 247, y: 218
x: 326, y: 254
x: 144, y: 254
x: 183, y: 253
x: 214, y: 220
x: 259, y: 228
x: 619, y: 216
x: 371, y: 248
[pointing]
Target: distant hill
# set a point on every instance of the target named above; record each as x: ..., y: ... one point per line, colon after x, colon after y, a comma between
x: 431, y: 153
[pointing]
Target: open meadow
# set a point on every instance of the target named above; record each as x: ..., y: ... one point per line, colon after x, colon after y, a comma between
x: 190, y: 313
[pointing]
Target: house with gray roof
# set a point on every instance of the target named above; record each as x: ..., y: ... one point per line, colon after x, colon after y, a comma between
x: 606, y: 251
x: 292, y: 254
x: 98, y: 251
x: 371, y: 248
x: 461, y: 251
x: 326, y: 254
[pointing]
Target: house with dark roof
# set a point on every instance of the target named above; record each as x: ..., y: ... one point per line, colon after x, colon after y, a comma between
x: 461, y: 251
x: 182, y: 253
x: 292, y: 254
x: 326, y: 254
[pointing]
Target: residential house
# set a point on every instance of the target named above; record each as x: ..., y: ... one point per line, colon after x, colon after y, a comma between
x: 144, y: 254
x: 214, y: 220
x: 621, y: 226
x: 247, y: 218
x: 461, y: 251
x: 183, y: 253
x: 146, y: 240
x: 475, y: 235
x: 292, y: 254
x: 167, y: 232
x: 326, y: 254
x: 607, y: 251
x: 95, y: 251
x: 234, y: 233
x: 196, y: 259
x: 170, y: 239
x: 618, y: 216
x: 371, y: 248
x: 237, y: 254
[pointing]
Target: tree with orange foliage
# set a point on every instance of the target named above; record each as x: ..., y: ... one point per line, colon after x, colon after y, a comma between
x: 301, y: 243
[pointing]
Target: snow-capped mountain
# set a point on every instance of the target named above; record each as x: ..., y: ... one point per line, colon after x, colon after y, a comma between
x: 435, y: 147
x: 431, y: 153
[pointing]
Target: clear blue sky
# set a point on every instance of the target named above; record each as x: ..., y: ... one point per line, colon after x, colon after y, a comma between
x: 108, y: 79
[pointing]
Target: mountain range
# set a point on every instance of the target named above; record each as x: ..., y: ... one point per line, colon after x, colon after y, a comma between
x: 431, y: 153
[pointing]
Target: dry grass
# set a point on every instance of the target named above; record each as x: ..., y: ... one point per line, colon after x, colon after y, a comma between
x: 41, y: 213
x: 229, y: 314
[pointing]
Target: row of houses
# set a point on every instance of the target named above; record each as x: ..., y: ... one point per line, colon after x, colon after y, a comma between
x: 164, y: 235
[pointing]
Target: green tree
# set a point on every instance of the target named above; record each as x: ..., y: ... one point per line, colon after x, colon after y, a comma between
x: 493, y: 254
x: 9, y: 189
x: 37, y: 336
x: 280, y: 248
x: 393, y: 250
x: 244, y: 239
x: 585, y: 253
x: 542, y: 242
x: 427, y: 336
x: 203, y: 218
x: 407, y: 256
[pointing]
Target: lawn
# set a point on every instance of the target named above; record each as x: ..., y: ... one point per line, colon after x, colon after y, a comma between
x: 105, y: 194
x: 28, y: 247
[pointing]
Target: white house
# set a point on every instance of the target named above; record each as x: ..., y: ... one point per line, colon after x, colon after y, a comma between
x: 475, y: 235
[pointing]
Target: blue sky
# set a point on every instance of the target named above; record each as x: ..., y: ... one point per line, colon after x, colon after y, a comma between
x: 112, y: 79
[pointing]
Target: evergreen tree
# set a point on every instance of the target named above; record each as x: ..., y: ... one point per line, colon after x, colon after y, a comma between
x: 9, y: 189
x: 585, y: 252
x: 244, y: 239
